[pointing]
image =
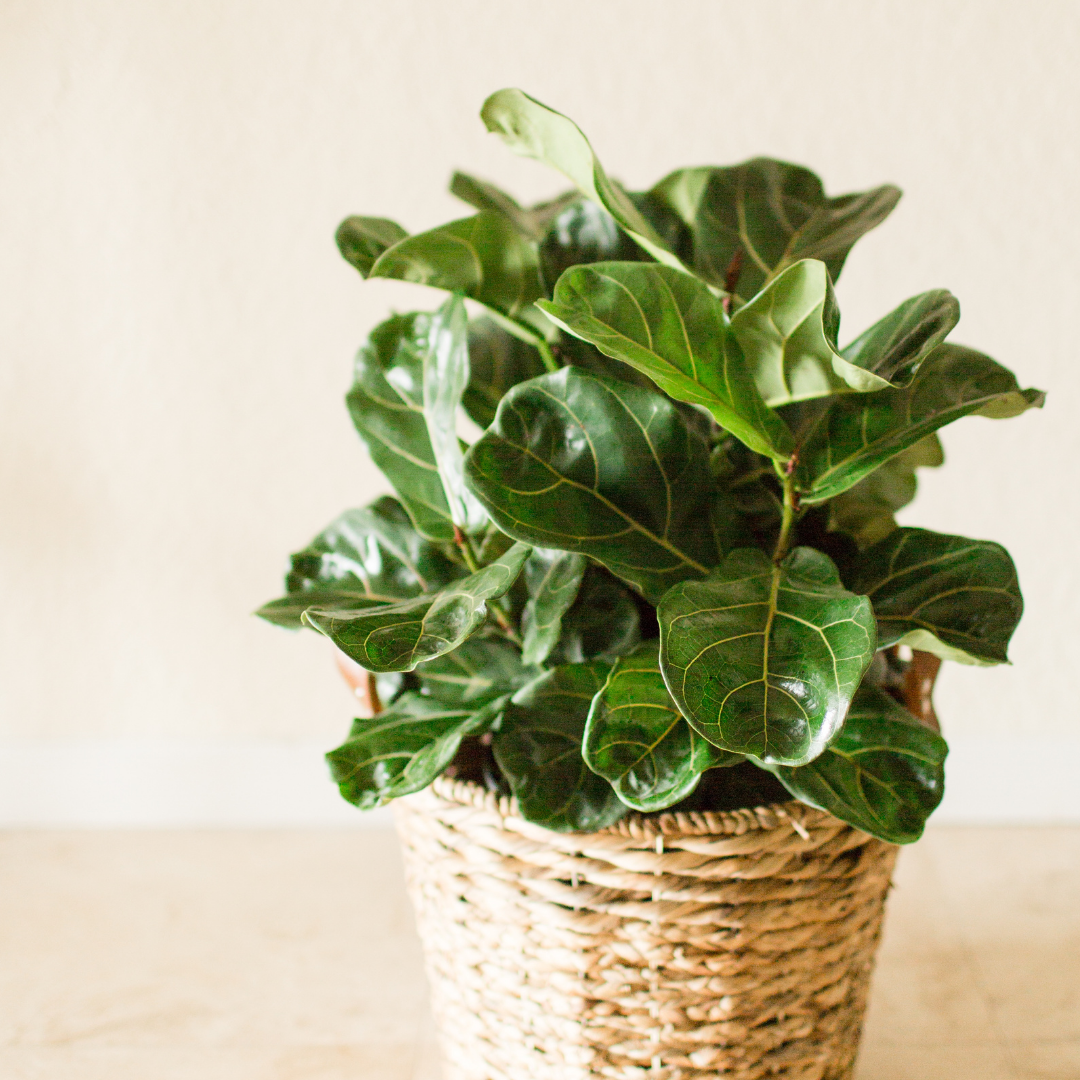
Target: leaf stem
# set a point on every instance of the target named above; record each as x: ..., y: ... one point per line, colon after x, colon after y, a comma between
x: 546, y: 355
x: 791, y: 506
x: 466, y: 550
x: 504, y: 622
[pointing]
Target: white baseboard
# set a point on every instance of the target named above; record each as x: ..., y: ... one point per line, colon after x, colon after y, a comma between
x: 183, y: 784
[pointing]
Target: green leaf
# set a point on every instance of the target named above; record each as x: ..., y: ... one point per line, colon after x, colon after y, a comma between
x: 403, y: 748
x: 954, y: 597
x: 553, y: 578
x: 533, y: 222
x: 637, y: 739
x: 883, y: 773
x: 865, y: 511
x: 446, y: 375
x: 364, y: 557
x: 361, y: 240
x: 764, y: 659
x: 538, y: 749
x: 483, y: 257
x: 397, y: 637
x: 603, y: 622
x: 386, y: 403
x: 478, y: 671
x: 671, y: 327
x: 763, y: 215
x: 582, y: 463
x: 853, y: 435
x: 497, y: 361
x: 788, y: 336
x: 895, y: 346
x: 536, y: 131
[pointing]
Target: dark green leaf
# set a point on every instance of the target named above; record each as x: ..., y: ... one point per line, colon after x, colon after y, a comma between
x: 536, y: 131
x: 764, y: 659
x: 883, y: 773
x: 582, y: 463
x: 603, y: 622
x: 478, y: 671
x: 403, y: 748
x: 637, y: 739
x: 533, y: 222
x: 761, y: 216
x: 954, y: 597
x: 397, y: 637
x: 369, y: 556
x: 583, y: 233
x: 670, y: 326
x: 895, y: 346
x: 865, y: 511
x: 497, y: 361
x: 553, y: 578
x: 788, y: 336
x: 538, y: 749
x: 446, y: 375
x: 856, y: 434
x: 361, y: 240
x: 483, y: 257
x: 387, y: 406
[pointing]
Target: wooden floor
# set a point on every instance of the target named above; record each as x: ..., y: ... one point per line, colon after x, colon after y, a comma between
x: 291, y: 956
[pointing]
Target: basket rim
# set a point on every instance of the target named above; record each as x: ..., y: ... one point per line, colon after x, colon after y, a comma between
x: 788, y: 815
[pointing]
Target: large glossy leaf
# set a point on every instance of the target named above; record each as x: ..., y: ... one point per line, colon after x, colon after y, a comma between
x: 788, y: 336
x: 533, y: 130
x: 397, y: 637
x: 403, y: 748
x: 386, y: 403
x: 497, y: 361
x: 883, y: 773
x: 603, y: 622
x: 553, y: 578
x: 483, y: 257
x: 954, y: 597
x: 671, y: 327
x: 361, y: 240
x: 538, y: 749
x: 476, y: 672
x: 364, y: 557
x: 857, y: 433
x: 637, y: 739
x: 583, y: 463
x: 533, y: 222
x: 764, y: 659
x: 896, y: 345
x: 866, y: 511
x: 763, y: 215
x: 446, y: 375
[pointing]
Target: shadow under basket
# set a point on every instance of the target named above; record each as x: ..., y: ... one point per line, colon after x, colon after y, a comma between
x: 672, y: 946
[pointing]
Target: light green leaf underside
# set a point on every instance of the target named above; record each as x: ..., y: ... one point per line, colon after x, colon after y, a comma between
x: 553, y: 578
x: 397, y: 637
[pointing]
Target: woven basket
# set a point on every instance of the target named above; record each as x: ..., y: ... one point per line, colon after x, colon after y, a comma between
x: 667, y: 947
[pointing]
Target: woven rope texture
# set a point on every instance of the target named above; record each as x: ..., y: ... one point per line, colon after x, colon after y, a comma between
x: 671, y: 947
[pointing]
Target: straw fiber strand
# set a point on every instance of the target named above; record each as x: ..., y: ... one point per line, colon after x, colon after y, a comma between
x: 670, y: 947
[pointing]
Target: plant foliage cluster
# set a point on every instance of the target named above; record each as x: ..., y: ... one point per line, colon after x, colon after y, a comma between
x: 672, y: 553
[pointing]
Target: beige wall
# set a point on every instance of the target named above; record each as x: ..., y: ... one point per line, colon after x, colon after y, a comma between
x: 176, y: 327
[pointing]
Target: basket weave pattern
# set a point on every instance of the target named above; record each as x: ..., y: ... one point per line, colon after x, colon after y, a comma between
x: 670, y: 947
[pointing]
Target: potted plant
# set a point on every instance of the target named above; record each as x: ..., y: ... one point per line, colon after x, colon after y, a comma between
x: 650, y: 659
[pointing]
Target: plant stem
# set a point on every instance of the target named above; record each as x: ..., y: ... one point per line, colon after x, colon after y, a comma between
x: 791, y: 505
x: 504, y: 622
x: 466, y: 550
x: 546, y: 355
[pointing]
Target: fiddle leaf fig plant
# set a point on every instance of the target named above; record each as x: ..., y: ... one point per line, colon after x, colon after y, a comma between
x: 667, y: 574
